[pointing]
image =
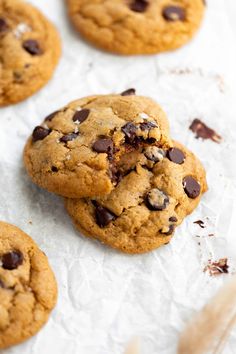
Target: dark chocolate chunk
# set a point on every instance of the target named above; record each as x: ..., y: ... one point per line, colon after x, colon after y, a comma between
x: 40, y: 133
x: 129, y: 129
x: 54, y: 169
x: 173, y: 219
x: 81, y: 116
x: 191, y: 187
x: 3, y: 25
x: 174, y: 13
x: 68, y: 137
x: 103, y: 145
x: 129, y: 92
x: 139, y: 5
x: 203, y: 131
x: 103, y: 216
x: 32, y: 47
x: 176, y: 155
x: 157, y: 200
x: 12, y: 260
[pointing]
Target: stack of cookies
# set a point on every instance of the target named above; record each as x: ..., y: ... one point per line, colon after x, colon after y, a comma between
x: 124, y: 180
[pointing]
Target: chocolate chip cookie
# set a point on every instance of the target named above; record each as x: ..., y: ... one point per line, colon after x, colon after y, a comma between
x: 29, y: 50
x: 28, y: 289
x: 142, y: 212
x: 137, y: 26
x: 85, y: 148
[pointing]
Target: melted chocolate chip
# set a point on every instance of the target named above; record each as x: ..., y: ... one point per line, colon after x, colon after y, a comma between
x: 170, y: 231
x: 157, y: 200
x: 153, y: 153
x: 139, y: 5
x: 103, y: 216
x: 81, y: 116
x: 50, y: 117
x: 174, y: 13
x: 173, y: 219
x: 203, y: 131
x: 103, y: 145
x: 191, y: 187
x: 129, y: 130
x: 12, y: 260
x: 176, y: 155
x: 32, y: 47
x: 3, y: 25
x: 68, y: 137
x: 40, y: 133
x: 129, y: 92
x: 147, y: 125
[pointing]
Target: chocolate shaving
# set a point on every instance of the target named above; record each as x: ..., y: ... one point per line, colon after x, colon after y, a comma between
x: 203, y: 131
x: 217, y: 267
x: 200, y: 223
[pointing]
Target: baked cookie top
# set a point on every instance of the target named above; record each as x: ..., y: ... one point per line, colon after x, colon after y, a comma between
x: 137, y: 26
x: 142, y: 212
x: 29, y: 50
x: 84, y: 149
x: 28, y: 289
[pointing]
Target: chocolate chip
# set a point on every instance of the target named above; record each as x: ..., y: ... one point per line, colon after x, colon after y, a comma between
x: 157, y: 199
x: 103, y: 216
x: 174, y: 13
x: 191, y: 187
x: 147, y: 125
x: 81, y: 116
x: 139, y: 5
x: 203, y: 131
x: 129, y: 92
x: 173, y: 219
x: 32, y: 47
x: 103, y: 145
x: 176, y: 155
x: 169, y: 231
x: 153, y: 153
x: 40, y: 133
x: 54, y: 169
x: 12, y: 260
x: 50, y: 117
x: 68, y: 137
x: 3, y: 25
x: 129, y: 130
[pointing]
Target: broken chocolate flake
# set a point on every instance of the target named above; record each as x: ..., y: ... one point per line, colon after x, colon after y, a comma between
x: 200, y: 223
x: 217, y: 267
x: 203, y: 131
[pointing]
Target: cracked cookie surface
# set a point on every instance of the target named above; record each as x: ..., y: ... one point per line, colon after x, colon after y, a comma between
x: 142, y: 212
x: 137, y: 26
x: 28, y: 289
x: 29, y: 50
x: 84, y: 149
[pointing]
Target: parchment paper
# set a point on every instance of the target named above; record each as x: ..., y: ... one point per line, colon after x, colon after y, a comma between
x: 105, y: 297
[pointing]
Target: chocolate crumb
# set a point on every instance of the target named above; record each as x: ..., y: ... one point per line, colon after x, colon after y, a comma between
x: 217, y: 267
x: 200, y: 223
x: 203, y: 131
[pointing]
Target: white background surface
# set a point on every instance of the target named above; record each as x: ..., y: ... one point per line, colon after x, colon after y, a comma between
x: 106, y: 298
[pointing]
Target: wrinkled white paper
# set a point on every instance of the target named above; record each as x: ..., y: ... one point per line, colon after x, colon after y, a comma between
x: 105, y: 297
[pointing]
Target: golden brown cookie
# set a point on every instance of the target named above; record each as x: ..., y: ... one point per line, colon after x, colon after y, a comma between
x: 142, y: 212
x: 29, y: 50
x: 28, y: 289
x: 84, y: 149
x: 137, y: 26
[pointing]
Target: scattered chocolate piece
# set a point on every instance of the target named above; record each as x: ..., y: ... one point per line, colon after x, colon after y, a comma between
x: 103, y: 216
x: 54, y: 169
x: 129, y: 92
x: 12, y: 260
x: 50, y: 117
x: 176, y: 155
x: 173, y: 219
x: 68, y: 137
x: 210, y: 235
x: 203, y: 131
x: 157, y: 200
x: 217, y: 267
x: 129, y: 130
x: 200, y: 223
x: 139, y: 5
x: 40, y: 133
x: 154, y: 154
x: 81, y: 116
x: 103, y: 145
x: 3, y: 25
x: 174, y: 13
x: 191, y: 187
x: 147, y: 125
x: 170, y: 231
x: 32, y: 47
